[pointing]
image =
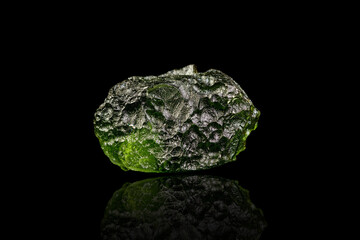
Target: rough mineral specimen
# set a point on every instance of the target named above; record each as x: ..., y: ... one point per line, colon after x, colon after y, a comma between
x: 182, y: 207
x: 179, y: 121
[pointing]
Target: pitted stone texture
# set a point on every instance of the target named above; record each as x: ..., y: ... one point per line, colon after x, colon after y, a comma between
x: 179, y: 121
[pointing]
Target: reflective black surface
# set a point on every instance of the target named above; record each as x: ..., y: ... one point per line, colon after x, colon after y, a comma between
x: 77, y: 180
x: 182, y: 207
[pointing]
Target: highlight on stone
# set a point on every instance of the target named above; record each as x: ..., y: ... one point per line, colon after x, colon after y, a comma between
x: 179, y: 121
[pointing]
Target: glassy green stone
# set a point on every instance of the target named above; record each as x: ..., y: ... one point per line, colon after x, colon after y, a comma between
x: 182, y: 207
x: 179, y: 121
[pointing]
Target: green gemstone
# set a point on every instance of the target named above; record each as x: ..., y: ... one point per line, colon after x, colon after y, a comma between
x: 179, y: 121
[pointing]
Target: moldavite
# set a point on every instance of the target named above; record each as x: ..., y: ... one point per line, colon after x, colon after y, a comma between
x: 182, y: 207
x: 179, y: 121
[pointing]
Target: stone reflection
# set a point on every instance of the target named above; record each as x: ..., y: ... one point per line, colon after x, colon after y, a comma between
x: 182, y: 207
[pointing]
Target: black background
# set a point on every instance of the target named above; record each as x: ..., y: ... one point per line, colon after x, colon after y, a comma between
x: 62, y: 71
x: 77, y: 179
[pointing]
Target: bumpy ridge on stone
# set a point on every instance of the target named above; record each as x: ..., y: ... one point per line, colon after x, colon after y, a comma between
x: 179, y: 121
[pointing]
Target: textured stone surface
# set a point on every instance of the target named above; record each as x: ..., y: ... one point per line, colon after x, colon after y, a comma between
x: 182, y: 120
x: 182, y: 207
